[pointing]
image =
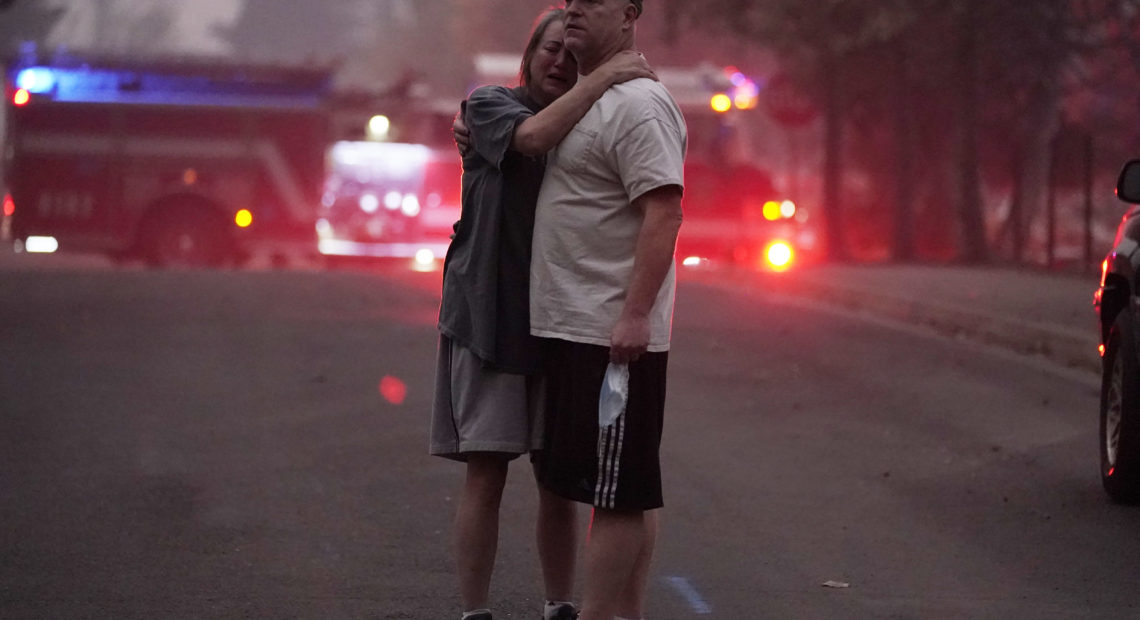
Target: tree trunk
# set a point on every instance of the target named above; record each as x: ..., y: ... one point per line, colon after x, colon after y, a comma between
x: 836, y: 246
x: 1039, y: 126
x: 902, y: 242
x: 973, y: 247
x: 1015, y: 221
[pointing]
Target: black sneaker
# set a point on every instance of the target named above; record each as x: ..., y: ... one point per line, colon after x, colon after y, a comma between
x: 565, y: 612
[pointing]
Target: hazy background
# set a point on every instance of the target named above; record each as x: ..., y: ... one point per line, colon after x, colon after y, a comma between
x: 375, y: 42
x: 934, y: 129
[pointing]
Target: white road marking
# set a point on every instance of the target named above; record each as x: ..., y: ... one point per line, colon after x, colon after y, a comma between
x: 690, y: 594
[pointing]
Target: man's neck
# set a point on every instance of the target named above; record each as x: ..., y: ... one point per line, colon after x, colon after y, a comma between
x: 587, y: 65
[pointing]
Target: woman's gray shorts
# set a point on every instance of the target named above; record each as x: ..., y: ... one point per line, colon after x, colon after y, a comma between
x: 479, y: 409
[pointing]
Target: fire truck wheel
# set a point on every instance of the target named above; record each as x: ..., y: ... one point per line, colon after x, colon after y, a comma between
x: 191, y: 239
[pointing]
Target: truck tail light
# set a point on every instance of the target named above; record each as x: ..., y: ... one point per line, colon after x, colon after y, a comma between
x: 779, y: 255
x: 243, y: 218
x: 9, y: 205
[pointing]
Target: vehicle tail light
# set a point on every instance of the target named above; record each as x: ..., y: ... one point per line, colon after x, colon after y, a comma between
x: 778, y: 256
x: 22, y: 97
x: 243, y: 218
x: 784, y: 210
x: 9, y: 205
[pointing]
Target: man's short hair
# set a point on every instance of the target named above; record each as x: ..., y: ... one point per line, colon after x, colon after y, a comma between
x: 636, y: 3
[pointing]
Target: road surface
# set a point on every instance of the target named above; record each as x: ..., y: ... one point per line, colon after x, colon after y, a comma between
x: 253, y: 445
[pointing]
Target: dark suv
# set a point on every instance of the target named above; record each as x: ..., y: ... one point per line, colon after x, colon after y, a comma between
x: 1118, y: 306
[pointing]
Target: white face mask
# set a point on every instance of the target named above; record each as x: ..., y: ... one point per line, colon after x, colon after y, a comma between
x: 614, y: 394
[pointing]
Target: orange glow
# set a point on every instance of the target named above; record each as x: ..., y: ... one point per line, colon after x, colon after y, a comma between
x: 243, y: 218
x: 779, y: 255
x: 745, y: 101
x: 22, y: 97
x: 720, y: 102
x: 393, y: 390
x: 771, y: 210
x: 190, y: 176
x: 1100, y: 349
x: 9, y: 205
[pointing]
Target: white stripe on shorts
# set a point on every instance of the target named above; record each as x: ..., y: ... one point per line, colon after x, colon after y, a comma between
x: 610, y: 440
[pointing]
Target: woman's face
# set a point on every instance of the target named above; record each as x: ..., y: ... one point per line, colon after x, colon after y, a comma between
x: 552, y: 69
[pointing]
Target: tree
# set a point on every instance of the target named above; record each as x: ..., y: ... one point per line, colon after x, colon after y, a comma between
x: 819, y: 42
x: 294, y: 31
x: 133, y: 29
x: 971, y: 92
x: 25, y: 21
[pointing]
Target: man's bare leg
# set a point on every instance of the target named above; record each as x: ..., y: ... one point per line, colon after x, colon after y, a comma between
x: 556, y: 535
x: 613, y: 549
x: 477, y: 527
x: 632, y: 601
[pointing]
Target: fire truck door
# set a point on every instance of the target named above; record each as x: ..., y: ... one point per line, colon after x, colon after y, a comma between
x: 63, y: 185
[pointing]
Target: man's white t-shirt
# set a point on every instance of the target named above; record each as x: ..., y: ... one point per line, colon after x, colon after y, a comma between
x: 631, y: 141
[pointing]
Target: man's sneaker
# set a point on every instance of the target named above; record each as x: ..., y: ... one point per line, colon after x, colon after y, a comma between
x: 564, y: 612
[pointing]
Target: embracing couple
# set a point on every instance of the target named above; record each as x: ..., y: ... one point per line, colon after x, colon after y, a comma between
x: 557, y: 307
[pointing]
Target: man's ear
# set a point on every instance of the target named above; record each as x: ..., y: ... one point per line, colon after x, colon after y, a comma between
x: 630, y: 16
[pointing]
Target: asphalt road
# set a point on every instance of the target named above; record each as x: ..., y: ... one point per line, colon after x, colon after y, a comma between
x: 253, y: 445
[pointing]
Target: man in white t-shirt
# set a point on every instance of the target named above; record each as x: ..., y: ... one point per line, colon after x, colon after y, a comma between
x: 601, y: 294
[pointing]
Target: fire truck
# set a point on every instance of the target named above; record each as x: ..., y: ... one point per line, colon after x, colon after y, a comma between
x: 734, y: 213
x: 390, y: 199
x: 395, y: 192
x: 177, y: 162
x: 394, y: 180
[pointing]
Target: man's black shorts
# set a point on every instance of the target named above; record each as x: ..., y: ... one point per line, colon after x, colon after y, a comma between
x: 616, y: 467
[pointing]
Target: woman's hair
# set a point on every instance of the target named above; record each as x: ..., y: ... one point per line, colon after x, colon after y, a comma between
x: 536, y: 34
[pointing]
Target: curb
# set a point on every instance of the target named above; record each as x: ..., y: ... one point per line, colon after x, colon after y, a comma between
x: 1058, y: 344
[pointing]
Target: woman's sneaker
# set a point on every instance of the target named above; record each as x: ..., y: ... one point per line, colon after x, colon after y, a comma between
x: 565, y: 611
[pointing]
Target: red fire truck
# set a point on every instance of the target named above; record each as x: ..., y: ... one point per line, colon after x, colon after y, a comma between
x: 176, y: 162
x: 397, y: 193
x: 393, y: 191
x: 733, y: 210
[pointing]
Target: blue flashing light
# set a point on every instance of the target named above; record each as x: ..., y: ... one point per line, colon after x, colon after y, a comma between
x: 36, y: 80
x: 88, y: 84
